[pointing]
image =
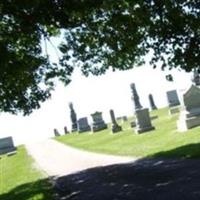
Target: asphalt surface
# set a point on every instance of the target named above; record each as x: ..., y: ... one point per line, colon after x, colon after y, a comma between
x: 145, y: 179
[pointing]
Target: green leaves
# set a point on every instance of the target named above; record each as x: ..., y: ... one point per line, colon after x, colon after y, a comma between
x: 99, y: 35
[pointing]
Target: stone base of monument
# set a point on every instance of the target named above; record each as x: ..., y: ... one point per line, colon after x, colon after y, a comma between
x: 84, y: 129
x: 174, y: 110
x: 187, y: 121
x: 144, y: 129
x: 98, y: 127
x: 7, y: 150
x: 116, y: 128
x: 143, y: 121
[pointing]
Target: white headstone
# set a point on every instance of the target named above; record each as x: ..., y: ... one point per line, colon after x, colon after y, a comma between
x: 190, y: 116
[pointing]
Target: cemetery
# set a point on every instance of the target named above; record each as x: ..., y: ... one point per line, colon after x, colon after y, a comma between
x: 150, y: 133
x: 147, y: 132
x: 131, y: 136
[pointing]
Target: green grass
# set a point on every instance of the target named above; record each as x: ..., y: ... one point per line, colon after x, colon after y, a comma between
x: 164, y: 141
x: 19, y: 178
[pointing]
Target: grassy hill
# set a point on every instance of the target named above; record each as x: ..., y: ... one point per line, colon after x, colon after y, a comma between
x: 164, y: 141
x: 21, y: 180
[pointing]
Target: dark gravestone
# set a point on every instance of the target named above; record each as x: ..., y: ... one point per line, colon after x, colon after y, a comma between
x: 7, y: 145
x: 73, y: 117
x: 172, y: 98
x: 56, y: 133
x: 98, y: 122
x: 115, y: 127
x: 124, y: 118
x: 83, y: 125
x: 143, y: 121
x: 133, y: 124
x: 65, y: 130
x: 152, y: 104
x: 135, y: 97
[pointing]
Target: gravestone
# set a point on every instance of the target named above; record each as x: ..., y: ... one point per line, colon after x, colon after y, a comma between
x: 98, y: 122
x: 173, y: 102
x: 196, y: 77
x: 56, y: 133
x: 133, y: 124
x: 7, y: 145
x: 135, y: 97
x: 83, y: 125
x: 124, y: 118
x: 73, y: 117
x: 190, y: 115
x: 151, y: 101
x: 172, y: 98
x: 115, y: 127
x: 143, y: 121
x: 66, y: 130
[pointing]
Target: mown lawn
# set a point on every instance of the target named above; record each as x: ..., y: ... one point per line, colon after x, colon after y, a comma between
x: 164, y: 141
x: 21, y: 180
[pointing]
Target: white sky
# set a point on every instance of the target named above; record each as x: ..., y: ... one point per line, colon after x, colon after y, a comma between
x: 110, y: 91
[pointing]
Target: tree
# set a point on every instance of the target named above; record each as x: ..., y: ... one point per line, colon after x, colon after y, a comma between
x: 99, y: 35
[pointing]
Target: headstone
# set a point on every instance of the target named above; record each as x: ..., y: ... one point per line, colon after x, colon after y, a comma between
x: 66, y: 130
x: 7, y: 145
x: 98, y: 122
x: 190, y: 115
x: 196, y: 77
x: 124, y: 118
x: 133, y: 124
x: 83, y: 125
x: 135, y: 97
x: 173, y: 102
x: 115, y: 127
x: 73, y: 117
x: 151, y: 101
x: 172, y: 98
x: 56, y: 133
x: 143, y: 121
x: 119, y: 118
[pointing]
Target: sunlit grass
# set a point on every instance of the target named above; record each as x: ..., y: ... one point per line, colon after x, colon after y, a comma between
x: 163, y: 141
x: 20, y: 179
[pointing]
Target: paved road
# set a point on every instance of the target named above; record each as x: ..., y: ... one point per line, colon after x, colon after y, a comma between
x: 57, y: 159
x: 145, y: 179
x: 82, y: 175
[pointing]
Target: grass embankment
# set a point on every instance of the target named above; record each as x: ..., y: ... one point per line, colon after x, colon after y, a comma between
x: 164, y: 141
x: 20, y: 180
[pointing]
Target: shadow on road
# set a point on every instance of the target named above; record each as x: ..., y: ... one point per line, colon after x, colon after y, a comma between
x: 152, y: 179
